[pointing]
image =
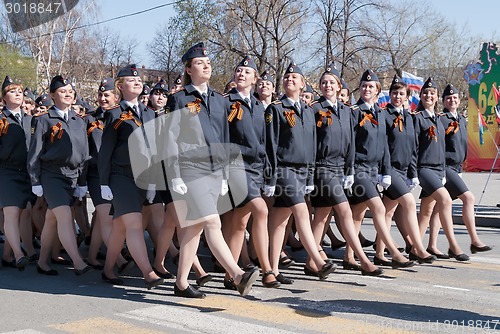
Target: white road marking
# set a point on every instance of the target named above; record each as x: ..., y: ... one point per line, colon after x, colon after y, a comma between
x: 179, y: 318
x: 25, y: 331
x: 482, y: 259
x: 450, y: 288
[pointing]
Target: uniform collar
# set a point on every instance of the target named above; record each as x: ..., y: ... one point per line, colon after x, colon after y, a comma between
x: 451, y: 115
x: 59, y: 112
x: 428, y: 114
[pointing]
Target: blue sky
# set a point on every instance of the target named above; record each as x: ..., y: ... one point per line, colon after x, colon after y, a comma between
x: 482, y: 19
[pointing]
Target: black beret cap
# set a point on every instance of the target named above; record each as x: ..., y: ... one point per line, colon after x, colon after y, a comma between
x: 369, y: 75
x: 178, y: 80
x: 57, y: 82
x: 7, y: 81
x: 43, y: 100
x: 344, y: 84
x: 128, y: 71
x: 449, y: 90
x: 196, y: 51
x: 79, y: 102
x: 145, y: 90
x: 29, y: 94
x: 293, y: 68
x: 247, y: 62
x: 396, y: 80
x: 161, y: 86
x: 266, y: 76
x: 332, y: 70
x: 429, y: 83
x: 107, y: 84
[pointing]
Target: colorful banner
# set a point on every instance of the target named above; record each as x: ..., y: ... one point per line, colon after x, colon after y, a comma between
x: 484, y: 135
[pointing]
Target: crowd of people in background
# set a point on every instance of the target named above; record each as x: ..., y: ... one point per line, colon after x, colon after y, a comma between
x: 224, y: 166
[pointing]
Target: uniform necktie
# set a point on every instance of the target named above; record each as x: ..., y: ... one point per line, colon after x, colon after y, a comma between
x: 136, y: 110
x: 205, y: 97
x: 297, y: 106
x: 65, y: 116
x: 247, y: 101
x: 19, y: 118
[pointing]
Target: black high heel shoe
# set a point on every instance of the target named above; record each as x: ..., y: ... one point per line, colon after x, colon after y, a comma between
x: 346, y: 265
x: 438, y: 255
x: 50, y: 272
x: 203, y: 280
x: 189, y: 292
x: 272, y: 284
x: 154, y: 283
x: 376, y: 272
x: 474, y: 249
x: 327, y: 268
x: 429, y: 259
x: 396, y: 264
x: 114, y: 281
x: 380, y: 262
x: 458, y: 257
x: 167, y: 275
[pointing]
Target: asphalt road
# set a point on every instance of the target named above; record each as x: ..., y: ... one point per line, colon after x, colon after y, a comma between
x: 446, y: 297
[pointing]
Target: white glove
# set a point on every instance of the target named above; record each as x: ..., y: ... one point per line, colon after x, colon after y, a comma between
x: 348, y: 181
x: 106, y: 193
x: 151, y: 193
x: 443, y: 180
x: 412, y: 183
x: 37, y: 190
x: 385, y: 181
x: 460, y: 174
x: 309, y: 189
x: 80, y: 192
x: 269, y: 190
x: 225, y: 188
x: 179, y: 186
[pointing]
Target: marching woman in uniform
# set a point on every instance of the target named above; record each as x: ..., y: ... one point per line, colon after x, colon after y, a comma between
x: 15, y: 191
x: 291, y: 141
x: 334, y: 170
x: 247, y: 129
x: 198, y: 137
x: 160, y: 229
x: 56, y: 163
x: 117, y: 179
x: 264, y: 90
x: 372, y: 164
x: 430, y: 137
x: 456, y: 150
x: 108, y: 98
x: 401, y: 141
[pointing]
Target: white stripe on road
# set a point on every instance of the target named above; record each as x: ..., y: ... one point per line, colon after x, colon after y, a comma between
x: 178, y: 318
x: 25, y: 331
x: 450, y: 288
x: 482, y: 259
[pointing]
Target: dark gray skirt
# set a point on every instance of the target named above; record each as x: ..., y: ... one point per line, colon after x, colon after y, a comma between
x: 329, y: 190
x: 364, y: 187
x: 15, y: 188
x: 58, y: 189
x: 127, y: 196
x: 290, y: 186
x: 398, y: 185
x: 430, y: 180
x: 454, y: 183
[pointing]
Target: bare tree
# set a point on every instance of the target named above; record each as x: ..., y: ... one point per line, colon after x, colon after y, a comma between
x: 165, y: 49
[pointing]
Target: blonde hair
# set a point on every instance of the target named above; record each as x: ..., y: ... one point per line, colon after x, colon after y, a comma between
x: 119, y: 81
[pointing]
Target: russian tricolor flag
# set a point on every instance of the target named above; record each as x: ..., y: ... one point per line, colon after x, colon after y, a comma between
x: 414, y: 82
x: 413, y: 100
x: 383, y: 98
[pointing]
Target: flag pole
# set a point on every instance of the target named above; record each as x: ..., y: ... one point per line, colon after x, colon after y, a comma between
x: 491, y: 171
